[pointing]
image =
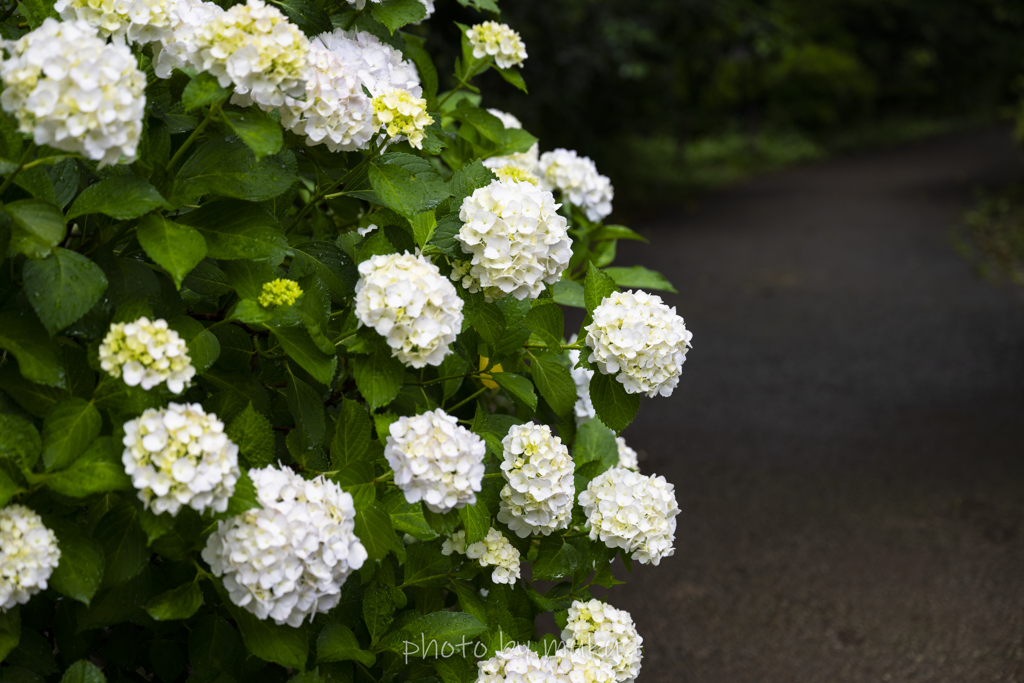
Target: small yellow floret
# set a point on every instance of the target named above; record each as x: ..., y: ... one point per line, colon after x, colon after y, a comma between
x: 517, y: 173
x: 280, y: 293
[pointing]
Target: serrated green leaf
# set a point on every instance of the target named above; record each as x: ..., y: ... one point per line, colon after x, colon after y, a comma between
x: 8, y: 488
x: 261, y: 133
x: 469, y: 179
x: 204, y: 89
x: 254, y: 436
x: 397, y: 13
x: 37, y: 11
x: 83, y: 671
x: 555, y: 559
x: 337, y: 643
x: 425, y: 565
x: 519, y: 387
x: 379, y: 603
x: 514, y: 77
x: 568, y: 293
x: 203, y: 347
x: 373, y: 527
x: 299, y: 346
x: 596, y: 287
x: 238, y: 230
x: 442, y: 628
x: 174, y: 247
x: 19, y: 441
x: 307, y: 408
x: 98, y: 470
x: 39, y: 359
x: 548, y: 323
x: 555, y: 383
x: 10, y: 631
x: 36, y: 228
x: 122, y: 197
x: 325, y: 260
x: 490, y: 323
x: 63, y: 287
x: 68, y: 430
x: 639, y: 277
x: 213, y: 647
x: 476, y: 520
x: 613, y: 405
x: 178, y: 603
x: 227, y: 167
x: 616, y: 232
x: 407, y: 191
x: 282, y: 645
x: 378, y: 376
x: 124, y: 544
x: 407, y: 517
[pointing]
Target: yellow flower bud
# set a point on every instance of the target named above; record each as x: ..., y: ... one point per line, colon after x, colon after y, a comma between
x: 280, y: 293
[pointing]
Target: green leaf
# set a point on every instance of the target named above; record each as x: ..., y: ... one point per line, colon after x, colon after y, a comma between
x: 595, y: 443
x: 440, y: 628
x: 83, y: 671
x: 483, y: 122
x: 568, y: 293
x: 254, y: 436
x: 555, y: 559
x: 19, y: 441
x: 514, y: 77
x: 228, y: 168
x: 614, y: 406
x: 555, y: 383
x: 337, y: 643
x: 63, y: 287
x: 203, y: 346
x: 517, y: 386
x: 308, y: 15
x: 443, y: 524
x: 407, y: 189
x: 238, y: 230
x: 213, y: 647
x: 378, y: 376
x: 202, y: 90
x: 407, y: 517
x: 98, y: 470
x: 616, y: 232
x: 174, y: 247
x: 444, y: 236
x: 596, y: 287
x: 548, y: 323
x: 178, y: 603
x: 69, y: 428
x: 476, y: 520
x: 373, y: 527
x: 282, y: 645
x: 10, y: 631
x: 352, y: 437
x: 397, y: 13
x: 122, y: 197
x: 469, y: 179
x: 299, y: 346
x: 37, y: 227
x: 307, y: 408
x: 639, y: 277
x: 325, y: 260
x: 379, y: 603
x: 118, y: 604
x: 426, y: 565
x: 455, y: 670
x: 423, y: 225
x: 80, y: 571
x: 39, y: 359
x: 490, y: 323
x: 124, y: 543
x: 260, y: 133
x: 8, y: 488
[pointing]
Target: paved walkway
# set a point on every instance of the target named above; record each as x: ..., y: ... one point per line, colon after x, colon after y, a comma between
x: 847, y: 440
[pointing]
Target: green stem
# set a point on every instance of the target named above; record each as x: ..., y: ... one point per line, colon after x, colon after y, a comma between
x: 466, y: 400
x: 443, y: 379
x: 214, y: 109
x: 322, y: 194
x: 345, y: 335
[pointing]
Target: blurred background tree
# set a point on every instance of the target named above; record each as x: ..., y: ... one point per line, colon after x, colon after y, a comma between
x: 699, y: 92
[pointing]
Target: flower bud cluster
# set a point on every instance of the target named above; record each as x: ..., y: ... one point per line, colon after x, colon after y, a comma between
x: 147, y: 354
x: 28, y: 555
x: 608, y: 634
x: 499, y: 41
x: 494, y: 551
x: 538, y: 495
x: 579, y: 182
x: 401, y: 113
x: 279, y: 292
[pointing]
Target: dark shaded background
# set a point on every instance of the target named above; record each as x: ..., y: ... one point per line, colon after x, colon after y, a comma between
x: 638, y: 85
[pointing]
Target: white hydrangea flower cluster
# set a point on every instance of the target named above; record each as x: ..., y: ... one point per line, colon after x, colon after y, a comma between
x: 571, y: 665
x: 628, y: 510
x: 628, y: 458
x: 579, y: 182
x: 147, y: 354
x: 180, y: 455
x: 407, y: 300
x: 608, y: 634
x: 436, y: 460
x: 637, y: 336
x: 28, y: 555
x: 335, y: 111
x: 378, y: 66
x: 288, y: 560
x: 72, y: 90
x: 517, y: 664
x: 517, y: 239
x: 257, y: 50
x: 402, y: 115
x: 539, y: 494
x: 494, y: 551
x: 134, y: 21
x: 584, y: 408
x: 499, y: 41
x: 186, y: 18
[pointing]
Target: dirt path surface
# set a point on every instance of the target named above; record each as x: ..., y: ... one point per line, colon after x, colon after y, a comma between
x: 847, y: 440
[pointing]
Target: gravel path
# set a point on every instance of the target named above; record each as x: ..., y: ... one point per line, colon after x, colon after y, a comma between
x: 847, y: 440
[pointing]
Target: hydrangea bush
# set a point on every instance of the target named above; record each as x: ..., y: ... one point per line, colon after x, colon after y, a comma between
x: 285, y: 391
